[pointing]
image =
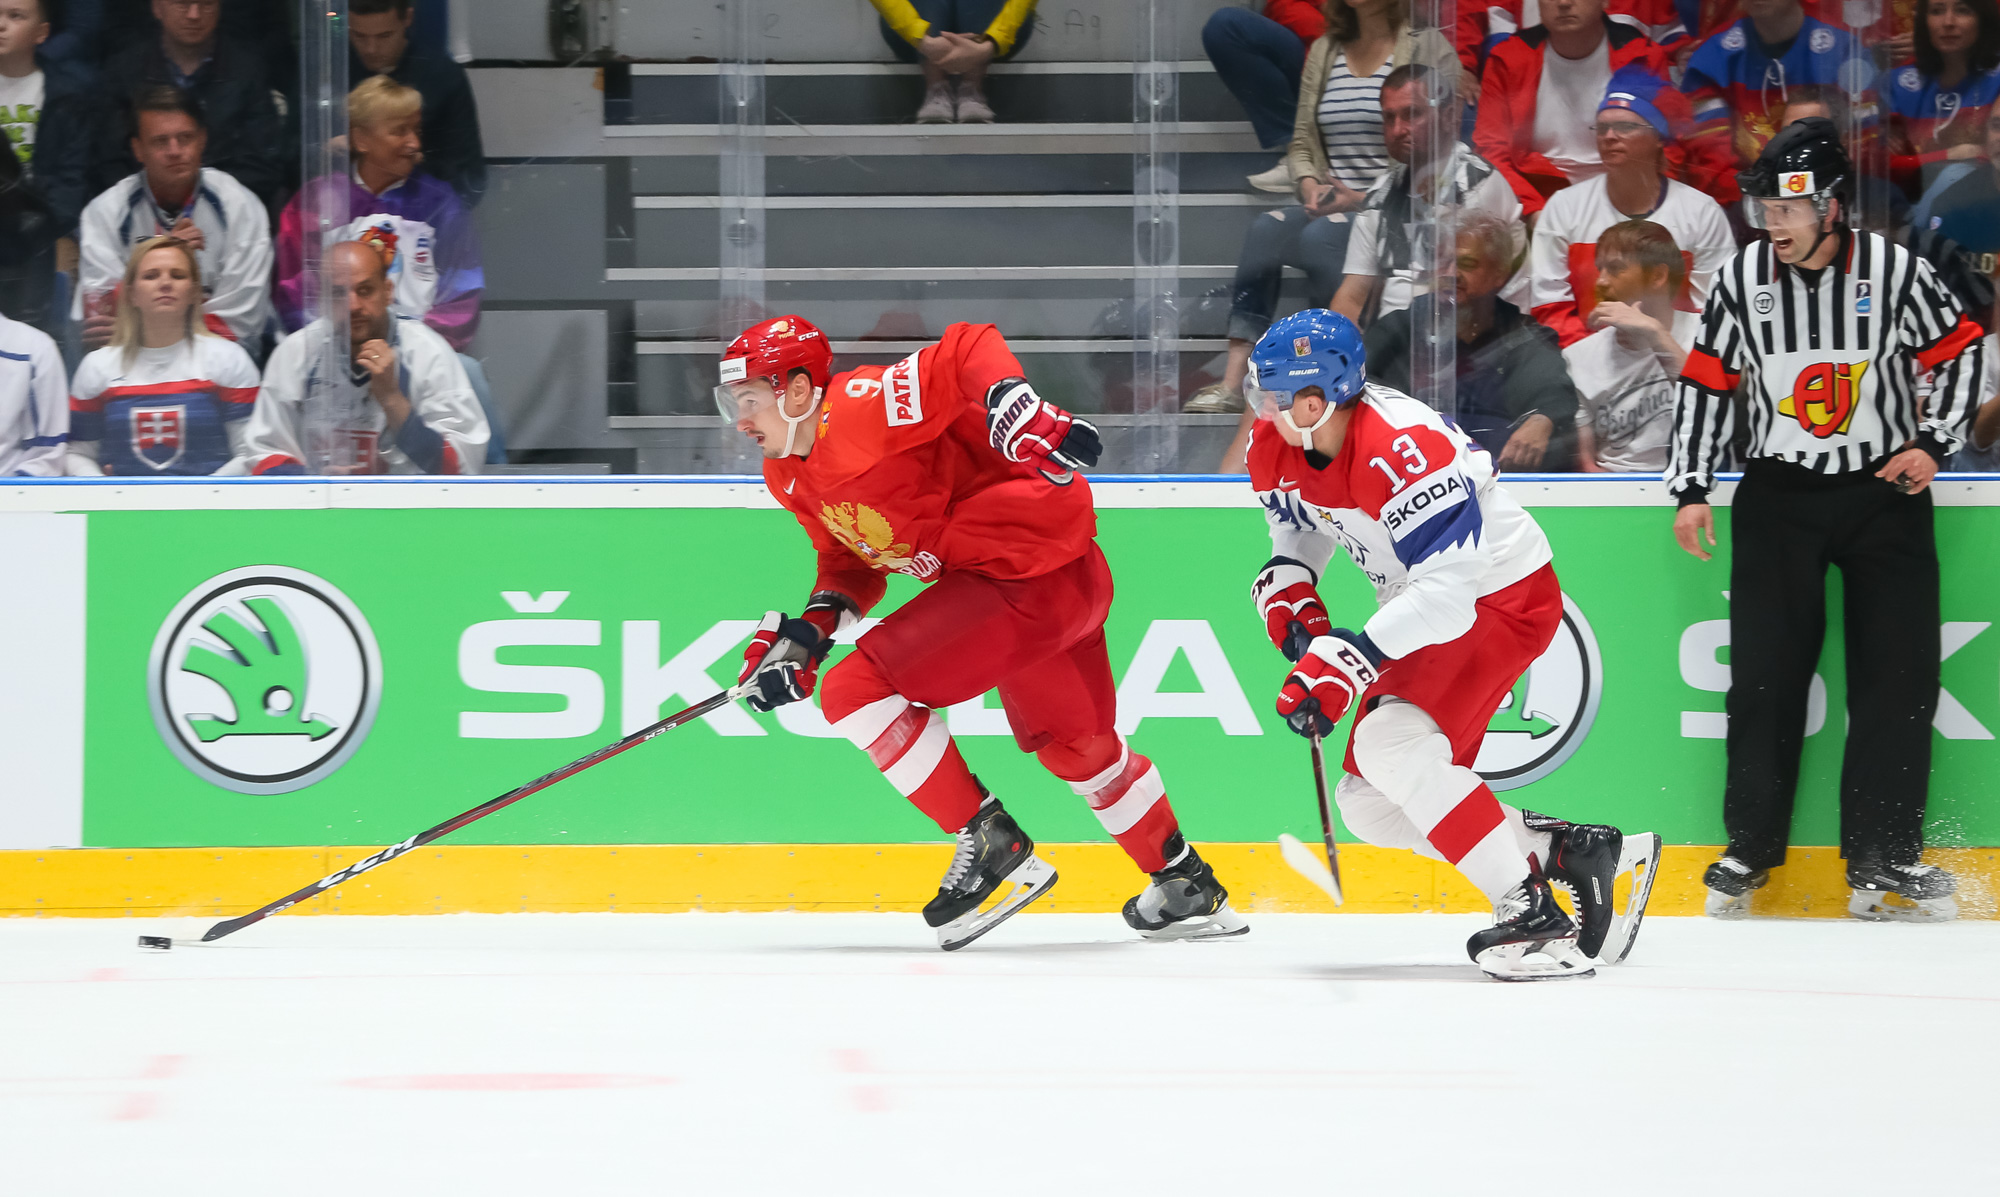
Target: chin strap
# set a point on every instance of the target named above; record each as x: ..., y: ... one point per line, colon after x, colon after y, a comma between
x: 792, y: 422
x: 1306, y: 434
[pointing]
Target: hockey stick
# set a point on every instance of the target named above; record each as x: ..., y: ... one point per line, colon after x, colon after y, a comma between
x: 231, y: 926
x: 1295, y: 853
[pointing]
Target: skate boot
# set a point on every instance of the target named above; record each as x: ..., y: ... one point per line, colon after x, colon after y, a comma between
x: 994, y: 873
x: 1185, y: 901
x: 1531, y: 939
x: 1587, y: 859
x: 1914, y: 893
x: 1730, y: 883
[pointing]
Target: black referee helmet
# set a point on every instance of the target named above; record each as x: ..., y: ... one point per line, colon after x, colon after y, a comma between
x: 1804, y: 161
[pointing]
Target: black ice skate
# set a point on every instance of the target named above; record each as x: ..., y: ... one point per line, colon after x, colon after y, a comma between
x: 1531, y: 939
x: 994, y: 873
x: 1917, y: 893
x: 1730, y: 883
x: 1587, y: 859
x: 1185, y: 901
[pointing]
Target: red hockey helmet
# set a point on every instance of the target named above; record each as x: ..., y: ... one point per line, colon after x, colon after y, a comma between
x: 774, y: 348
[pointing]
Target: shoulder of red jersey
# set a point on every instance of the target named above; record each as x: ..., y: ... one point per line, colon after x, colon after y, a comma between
x: 1400, y: 450
x: 873, y: 411
x: 1267, y: 456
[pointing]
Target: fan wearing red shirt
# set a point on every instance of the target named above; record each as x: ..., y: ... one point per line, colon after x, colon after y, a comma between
x: 947, y: 467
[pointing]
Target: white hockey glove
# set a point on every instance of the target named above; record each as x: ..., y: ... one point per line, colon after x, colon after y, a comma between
x: 1023, y: 426
x: 1332, y: 675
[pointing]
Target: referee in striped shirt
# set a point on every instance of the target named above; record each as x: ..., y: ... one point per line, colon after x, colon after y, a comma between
x: 1827, y: 330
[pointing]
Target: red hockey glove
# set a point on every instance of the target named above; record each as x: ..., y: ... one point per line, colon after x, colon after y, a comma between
x: 784, y: 657
x: 1335, y: 670
x: 1026, y: 427
x: 1290, y: 606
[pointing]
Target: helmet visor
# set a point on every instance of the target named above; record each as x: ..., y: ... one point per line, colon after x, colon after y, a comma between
x: 737, y: 400
x: 1792, y: 213
x: 1267, y: 403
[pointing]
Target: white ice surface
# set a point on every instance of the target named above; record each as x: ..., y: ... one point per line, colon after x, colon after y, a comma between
x: 583, y: 1055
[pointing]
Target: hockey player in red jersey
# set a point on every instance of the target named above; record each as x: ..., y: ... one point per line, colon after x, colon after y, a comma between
x: 947, y: 467
x: 1468, y: 600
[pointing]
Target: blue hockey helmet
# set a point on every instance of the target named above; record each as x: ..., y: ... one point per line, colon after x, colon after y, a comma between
x: 1313, y: 348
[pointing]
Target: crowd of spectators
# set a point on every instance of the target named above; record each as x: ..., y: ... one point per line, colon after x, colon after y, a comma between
x: 150, y: 147
x: 1586, y: 153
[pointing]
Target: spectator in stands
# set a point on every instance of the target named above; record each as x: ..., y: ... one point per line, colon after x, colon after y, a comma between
x: 1258, y: 57
x: 175, y: 194
x: 955, y: 39
x: 1484, y: 26
x: 1380, y: 273
x: 1625, y: 371
x: 34, y: 411
x: 1633, y: 131
x: 1337, y: 153
x: 231, y: 84
x: 380, y: 33
x: 166, y: 397
x: 1937, y: 105
x: 417, y: 222
x: 45, y: 108
x: 1540, y: 87
x: 1514, y: 394
x: 418, y: 408
x: 1740, y: 83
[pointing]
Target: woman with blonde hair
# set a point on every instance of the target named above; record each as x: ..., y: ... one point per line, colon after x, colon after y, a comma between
x: 1337, y: 153
x: 166, y: 396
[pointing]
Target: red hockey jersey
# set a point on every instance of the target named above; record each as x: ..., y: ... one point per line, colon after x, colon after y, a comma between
x: 903, y: 479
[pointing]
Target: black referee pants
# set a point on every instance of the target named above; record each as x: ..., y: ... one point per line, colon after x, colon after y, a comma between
x: 1788, y: 525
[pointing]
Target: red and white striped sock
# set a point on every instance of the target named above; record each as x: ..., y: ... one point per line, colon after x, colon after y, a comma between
x: 914, y: 751
x: 1129, y: 798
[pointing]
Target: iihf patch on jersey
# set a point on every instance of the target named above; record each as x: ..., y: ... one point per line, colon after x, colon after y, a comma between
x: 1862, y: 303
x: 159, y: 434
x: 902, y: 394
x: 1796, y: 182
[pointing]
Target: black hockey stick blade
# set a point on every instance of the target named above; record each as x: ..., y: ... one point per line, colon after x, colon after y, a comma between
x: 1326, y: 820
x: 231, y: 926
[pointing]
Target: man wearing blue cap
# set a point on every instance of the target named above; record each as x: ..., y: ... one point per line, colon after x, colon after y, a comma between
x: 1468, y: 600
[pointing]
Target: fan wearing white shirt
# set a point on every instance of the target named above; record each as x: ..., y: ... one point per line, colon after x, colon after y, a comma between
x: 1626, y: 370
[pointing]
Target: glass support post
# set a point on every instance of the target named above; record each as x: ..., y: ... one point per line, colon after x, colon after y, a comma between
x: 333, y: 422
x: 1433, y: 233
x: 1156, y: 241
x: 740, y: 163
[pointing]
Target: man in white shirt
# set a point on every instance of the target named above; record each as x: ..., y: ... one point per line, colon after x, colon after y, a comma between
x: 411, y: 407
x: 173, y: 194
x: 1625, y: 371
x: 23, y: 87
x: 34, y: 403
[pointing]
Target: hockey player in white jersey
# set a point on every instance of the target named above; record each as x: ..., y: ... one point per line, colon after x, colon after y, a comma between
x: 1468, y: 600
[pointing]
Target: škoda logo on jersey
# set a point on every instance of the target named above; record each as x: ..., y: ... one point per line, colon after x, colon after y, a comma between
x: 871, y: 537
x: 1824, y: 396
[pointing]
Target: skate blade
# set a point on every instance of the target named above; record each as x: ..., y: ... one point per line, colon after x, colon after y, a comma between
x: 1729, y: 909
x: 1308, y: 866
x: 1547, y: 960
x: 1641, y: 858
x: 1876, y: 906
x: 1220, y: 925
x: 1029, y: 880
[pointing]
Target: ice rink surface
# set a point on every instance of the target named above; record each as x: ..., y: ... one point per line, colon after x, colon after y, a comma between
x: 817, y: 1053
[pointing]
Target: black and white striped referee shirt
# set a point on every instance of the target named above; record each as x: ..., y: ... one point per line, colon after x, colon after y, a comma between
x: 1832, y: 358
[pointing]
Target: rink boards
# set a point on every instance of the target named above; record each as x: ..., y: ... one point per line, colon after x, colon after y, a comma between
x: 219, y: 690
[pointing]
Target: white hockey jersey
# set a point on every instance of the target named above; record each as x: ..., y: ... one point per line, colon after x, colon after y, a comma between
x: 177, y: 410
x: 34, y: 403
x: 445, y: 434
x: 1417, y: 506
x: 235, y: 257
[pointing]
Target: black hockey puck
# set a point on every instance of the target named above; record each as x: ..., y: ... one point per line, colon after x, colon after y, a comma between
x: 155, y: 941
